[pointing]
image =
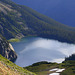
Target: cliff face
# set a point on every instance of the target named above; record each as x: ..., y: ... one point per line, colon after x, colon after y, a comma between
x: 7, y: 50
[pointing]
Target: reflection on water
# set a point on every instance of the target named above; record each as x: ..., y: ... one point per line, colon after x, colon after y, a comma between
x: 35, y: 49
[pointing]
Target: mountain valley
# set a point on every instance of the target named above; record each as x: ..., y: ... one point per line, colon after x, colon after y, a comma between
x: 18, y: 22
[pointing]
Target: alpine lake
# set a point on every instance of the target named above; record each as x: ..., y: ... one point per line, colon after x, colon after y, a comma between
x: 35, y: 49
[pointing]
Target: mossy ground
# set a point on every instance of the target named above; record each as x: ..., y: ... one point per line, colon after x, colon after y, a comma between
x: 14, y: 40
x: 43, y: 68
x: 69, y: 66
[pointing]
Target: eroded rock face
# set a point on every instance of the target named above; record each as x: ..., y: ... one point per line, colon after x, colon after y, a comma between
x: 7, y: 50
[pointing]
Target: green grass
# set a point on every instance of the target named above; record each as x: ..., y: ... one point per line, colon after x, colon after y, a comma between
x: 14, y: 40
x: 70, y: 68
x: 42, y: 68
x: 14, y: 67
x: 43, y: 73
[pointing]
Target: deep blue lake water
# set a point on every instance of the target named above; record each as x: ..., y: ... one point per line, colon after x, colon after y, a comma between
x: 35, y: 49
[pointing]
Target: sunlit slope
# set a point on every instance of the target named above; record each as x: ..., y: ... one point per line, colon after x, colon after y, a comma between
x: 9, y: 68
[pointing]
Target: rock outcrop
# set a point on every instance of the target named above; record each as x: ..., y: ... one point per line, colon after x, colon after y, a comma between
x: 6, y: 50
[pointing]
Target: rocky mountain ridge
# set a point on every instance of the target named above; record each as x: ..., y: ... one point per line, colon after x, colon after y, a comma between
x: 7, y: 50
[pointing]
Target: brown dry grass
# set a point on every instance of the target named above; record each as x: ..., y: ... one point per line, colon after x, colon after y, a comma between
x: 6, y: 71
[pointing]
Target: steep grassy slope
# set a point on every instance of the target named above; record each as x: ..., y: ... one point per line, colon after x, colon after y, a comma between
x: 19, y: 21
x: 9, y: 68
x: 6, y: 71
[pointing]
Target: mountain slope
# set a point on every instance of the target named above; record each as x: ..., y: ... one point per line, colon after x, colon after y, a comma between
x: 72, y: 57
x: 18, y: 21
x: 9, y: 68
x: 7, y: 50
x: 69, y: 65
x: 60, y: 10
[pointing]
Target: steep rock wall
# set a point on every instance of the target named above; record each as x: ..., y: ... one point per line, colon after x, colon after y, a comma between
x: 7, y: 50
